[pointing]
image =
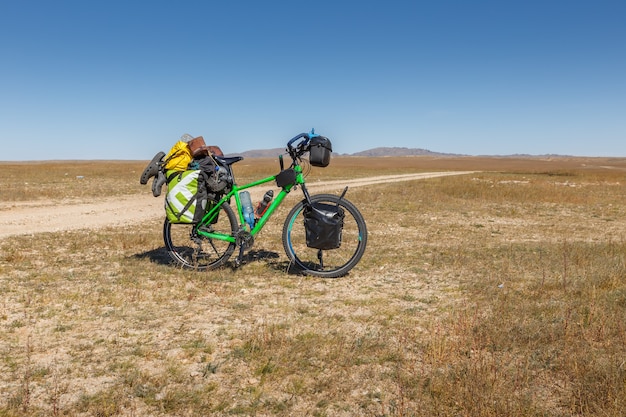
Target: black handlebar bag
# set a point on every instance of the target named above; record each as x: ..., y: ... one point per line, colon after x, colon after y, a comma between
x: 319, y: 151
x: 323, y: 224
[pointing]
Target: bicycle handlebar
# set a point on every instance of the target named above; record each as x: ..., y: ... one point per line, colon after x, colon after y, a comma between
x: 302, y: 147
x: 301, y: 135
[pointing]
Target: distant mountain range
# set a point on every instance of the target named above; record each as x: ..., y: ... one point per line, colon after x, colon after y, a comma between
x: 376, y: 152
x: 388, y: 151
x: 391, y: 151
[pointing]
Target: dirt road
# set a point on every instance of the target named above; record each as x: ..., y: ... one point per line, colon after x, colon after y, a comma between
x: 28, y: 218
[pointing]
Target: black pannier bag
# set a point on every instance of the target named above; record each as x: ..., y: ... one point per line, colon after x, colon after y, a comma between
x: 323, y: 224
x: 319, y: 154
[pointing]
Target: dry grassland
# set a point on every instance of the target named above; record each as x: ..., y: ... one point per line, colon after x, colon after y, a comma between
x: 499, y: 293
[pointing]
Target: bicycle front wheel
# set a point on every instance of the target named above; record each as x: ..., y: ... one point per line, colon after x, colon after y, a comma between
x: 330, y: 263
x: 194, y: 251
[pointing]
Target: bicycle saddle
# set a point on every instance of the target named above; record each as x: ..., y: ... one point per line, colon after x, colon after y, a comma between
x: 228, y: 160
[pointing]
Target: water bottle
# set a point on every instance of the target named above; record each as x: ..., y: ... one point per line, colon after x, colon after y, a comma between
x: 264, y: 204
x: 246, y: 206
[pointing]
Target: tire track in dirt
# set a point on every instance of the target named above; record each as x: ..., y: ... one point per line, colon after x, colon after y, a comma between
x: 30, y: 218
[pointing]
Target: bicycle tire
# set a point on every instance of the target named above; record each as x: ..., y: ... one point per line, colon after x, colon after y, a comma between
x: 335, y: 262
x: 193, y: 251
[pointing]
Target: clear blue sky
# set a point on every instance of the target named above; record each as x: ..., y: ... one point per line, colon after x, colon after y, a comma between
x: 125, y: 79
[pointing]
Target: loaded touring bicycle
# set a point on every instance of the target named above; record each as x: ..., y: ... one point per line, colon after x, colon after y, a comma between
x: 209, y: 216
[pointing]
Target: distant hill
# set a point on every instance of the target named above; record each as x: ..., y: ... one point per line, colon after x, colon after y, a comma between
x: 261, y: 153
x: 387, y: 151
x: 376, y: 152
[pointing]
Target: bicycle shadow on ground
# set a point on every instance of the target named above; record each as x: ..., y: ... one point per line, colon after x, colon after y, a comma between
x: 157, y: 256
x: 271, y: 259
x: 160, y: 256
x: 258, y: 255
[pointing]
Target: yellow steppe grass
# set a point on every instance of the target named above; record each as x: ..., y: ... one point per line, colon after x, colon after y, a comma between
x: 499, y: 293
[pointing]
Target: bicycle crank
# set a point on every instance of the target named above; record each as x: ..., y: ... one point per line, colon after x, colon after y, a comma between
x: 245, y: 241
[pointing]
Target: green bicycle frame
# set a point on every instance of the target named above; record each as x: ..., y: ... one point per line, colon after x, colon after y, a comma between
x: 213, y: 212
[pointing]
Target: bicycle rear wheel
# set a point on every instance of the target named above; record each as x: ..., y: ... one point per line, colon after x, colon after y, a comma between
x: 194, y: 251
x: 330, y: 263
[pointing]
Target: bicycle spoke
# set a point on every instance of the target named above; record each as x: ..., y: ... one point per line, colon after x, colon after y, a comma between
x: 195, y: 251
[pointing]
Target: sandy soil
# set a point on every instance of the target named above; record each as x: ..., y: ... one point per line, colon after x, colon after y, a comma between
x: 27, y: 218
